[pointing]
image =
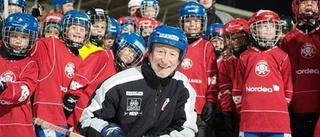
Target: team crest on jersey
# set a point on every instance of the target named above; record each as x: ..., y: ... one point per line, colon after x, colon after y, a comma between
x: 134, y: 104
x: 262, y: 68
x: 186, y: 63
x: 69, y: 69
x: 308, y: 51
x: 8, y: 76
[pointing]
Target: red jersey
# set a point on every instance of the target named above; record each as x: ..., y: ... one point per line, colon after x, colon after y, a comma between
x: 227, y: 70
x: 96, y: 68
x: 200, y: 66
x: 303, y: 50
x: 15, y: 107
x: 57, y: 65
x: 263, y: 81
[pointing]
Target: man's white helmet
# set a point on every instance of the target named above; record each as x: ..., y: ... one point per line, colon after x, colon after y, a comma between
x: 134, y: 3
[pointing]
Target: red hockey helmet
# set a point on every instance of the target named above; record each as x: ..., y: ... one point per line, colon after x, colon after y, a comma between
x: 310, y: 12
x: 235, y: 26
x: 144, y: 23
x: 259, y: 20
x: 235, y: 33
x: 51, y: 19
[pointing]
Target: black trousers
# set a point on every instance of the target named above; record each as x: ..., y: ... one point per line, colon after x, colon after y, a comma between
x: 225, y: 124
x: 303, y: 124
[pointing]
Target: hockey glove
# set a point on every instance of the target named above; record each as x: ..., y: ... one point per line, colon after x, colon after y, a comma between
x: 3, y: 86
x: 112, y: 130
x: 69, y: 102
x: 208, y: 111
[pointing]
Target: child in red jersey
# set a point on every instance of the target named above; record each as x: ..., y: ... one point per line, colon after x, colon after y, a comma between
x: 263, y: 87
x: 18, y: 75
x: 236, y: 36
x: 58, y: 60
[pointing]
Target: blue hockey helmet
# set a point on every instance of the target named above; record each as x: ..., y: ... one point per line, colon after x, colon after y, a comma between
x: 20, y: 3
x: 59, y: 3
x: 170, y: 36
x: 75, y: 17
x: 113, y: 28
x: 149, y: 3
x: 134, y: 42
x: 193, y: 9
x: 214, y: 30
x: 20, y: 22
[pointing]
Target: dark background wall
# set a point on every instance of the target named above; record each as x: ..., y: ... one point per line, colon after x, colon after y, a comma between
x: 278, y: 6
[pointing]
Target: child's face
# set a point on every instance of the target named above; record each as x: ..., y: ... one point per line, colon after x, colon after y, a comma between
x: 14, y: 9
x: 76, y: 33
x: 133, y: 10
x: 238, y: 40
x: 266, y: 30
x: 108, y: 43
x: 149, y: 11
x: 51, y: 32
x: 146, y: 31
x: 127, y: 55
x: 67, y: 7
x: 217, y: 43
x: 308, y: 6
x: 192, y: 25
x: 128, y: 28
x: 19, y: 40
x: 98, y: 28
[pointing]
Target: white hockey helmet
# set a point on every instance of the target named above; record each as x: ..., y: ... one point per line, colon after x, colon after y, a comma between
x: 134, y: 3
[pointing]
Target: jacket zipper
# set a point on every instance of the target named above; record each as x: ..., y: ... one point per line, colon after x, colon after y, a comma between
x: 156, y: 104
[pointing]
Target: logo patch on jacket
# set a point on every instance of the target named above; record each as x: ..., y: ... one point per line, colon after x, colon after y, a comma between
x: 134, y: 93
x: 70, y: 69
x: 134, y: 104
x: 165, y: 103
x: 262, y: 68
x: 186, y: 63
x: 308, y: 51
x: 8, y: 76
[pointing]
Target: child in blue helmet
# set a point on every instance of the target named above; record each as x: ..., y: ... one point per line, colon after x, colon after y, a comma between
x: 150, y: 100
x: 59, y: 60
x: 18, y: 75
x: 200, y: 64
x: 62, y: 6
x: 113, y: 31
x: 128, y: 51
x: 214, y: 35
x: 13, y: 6
x: 149, y: 8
